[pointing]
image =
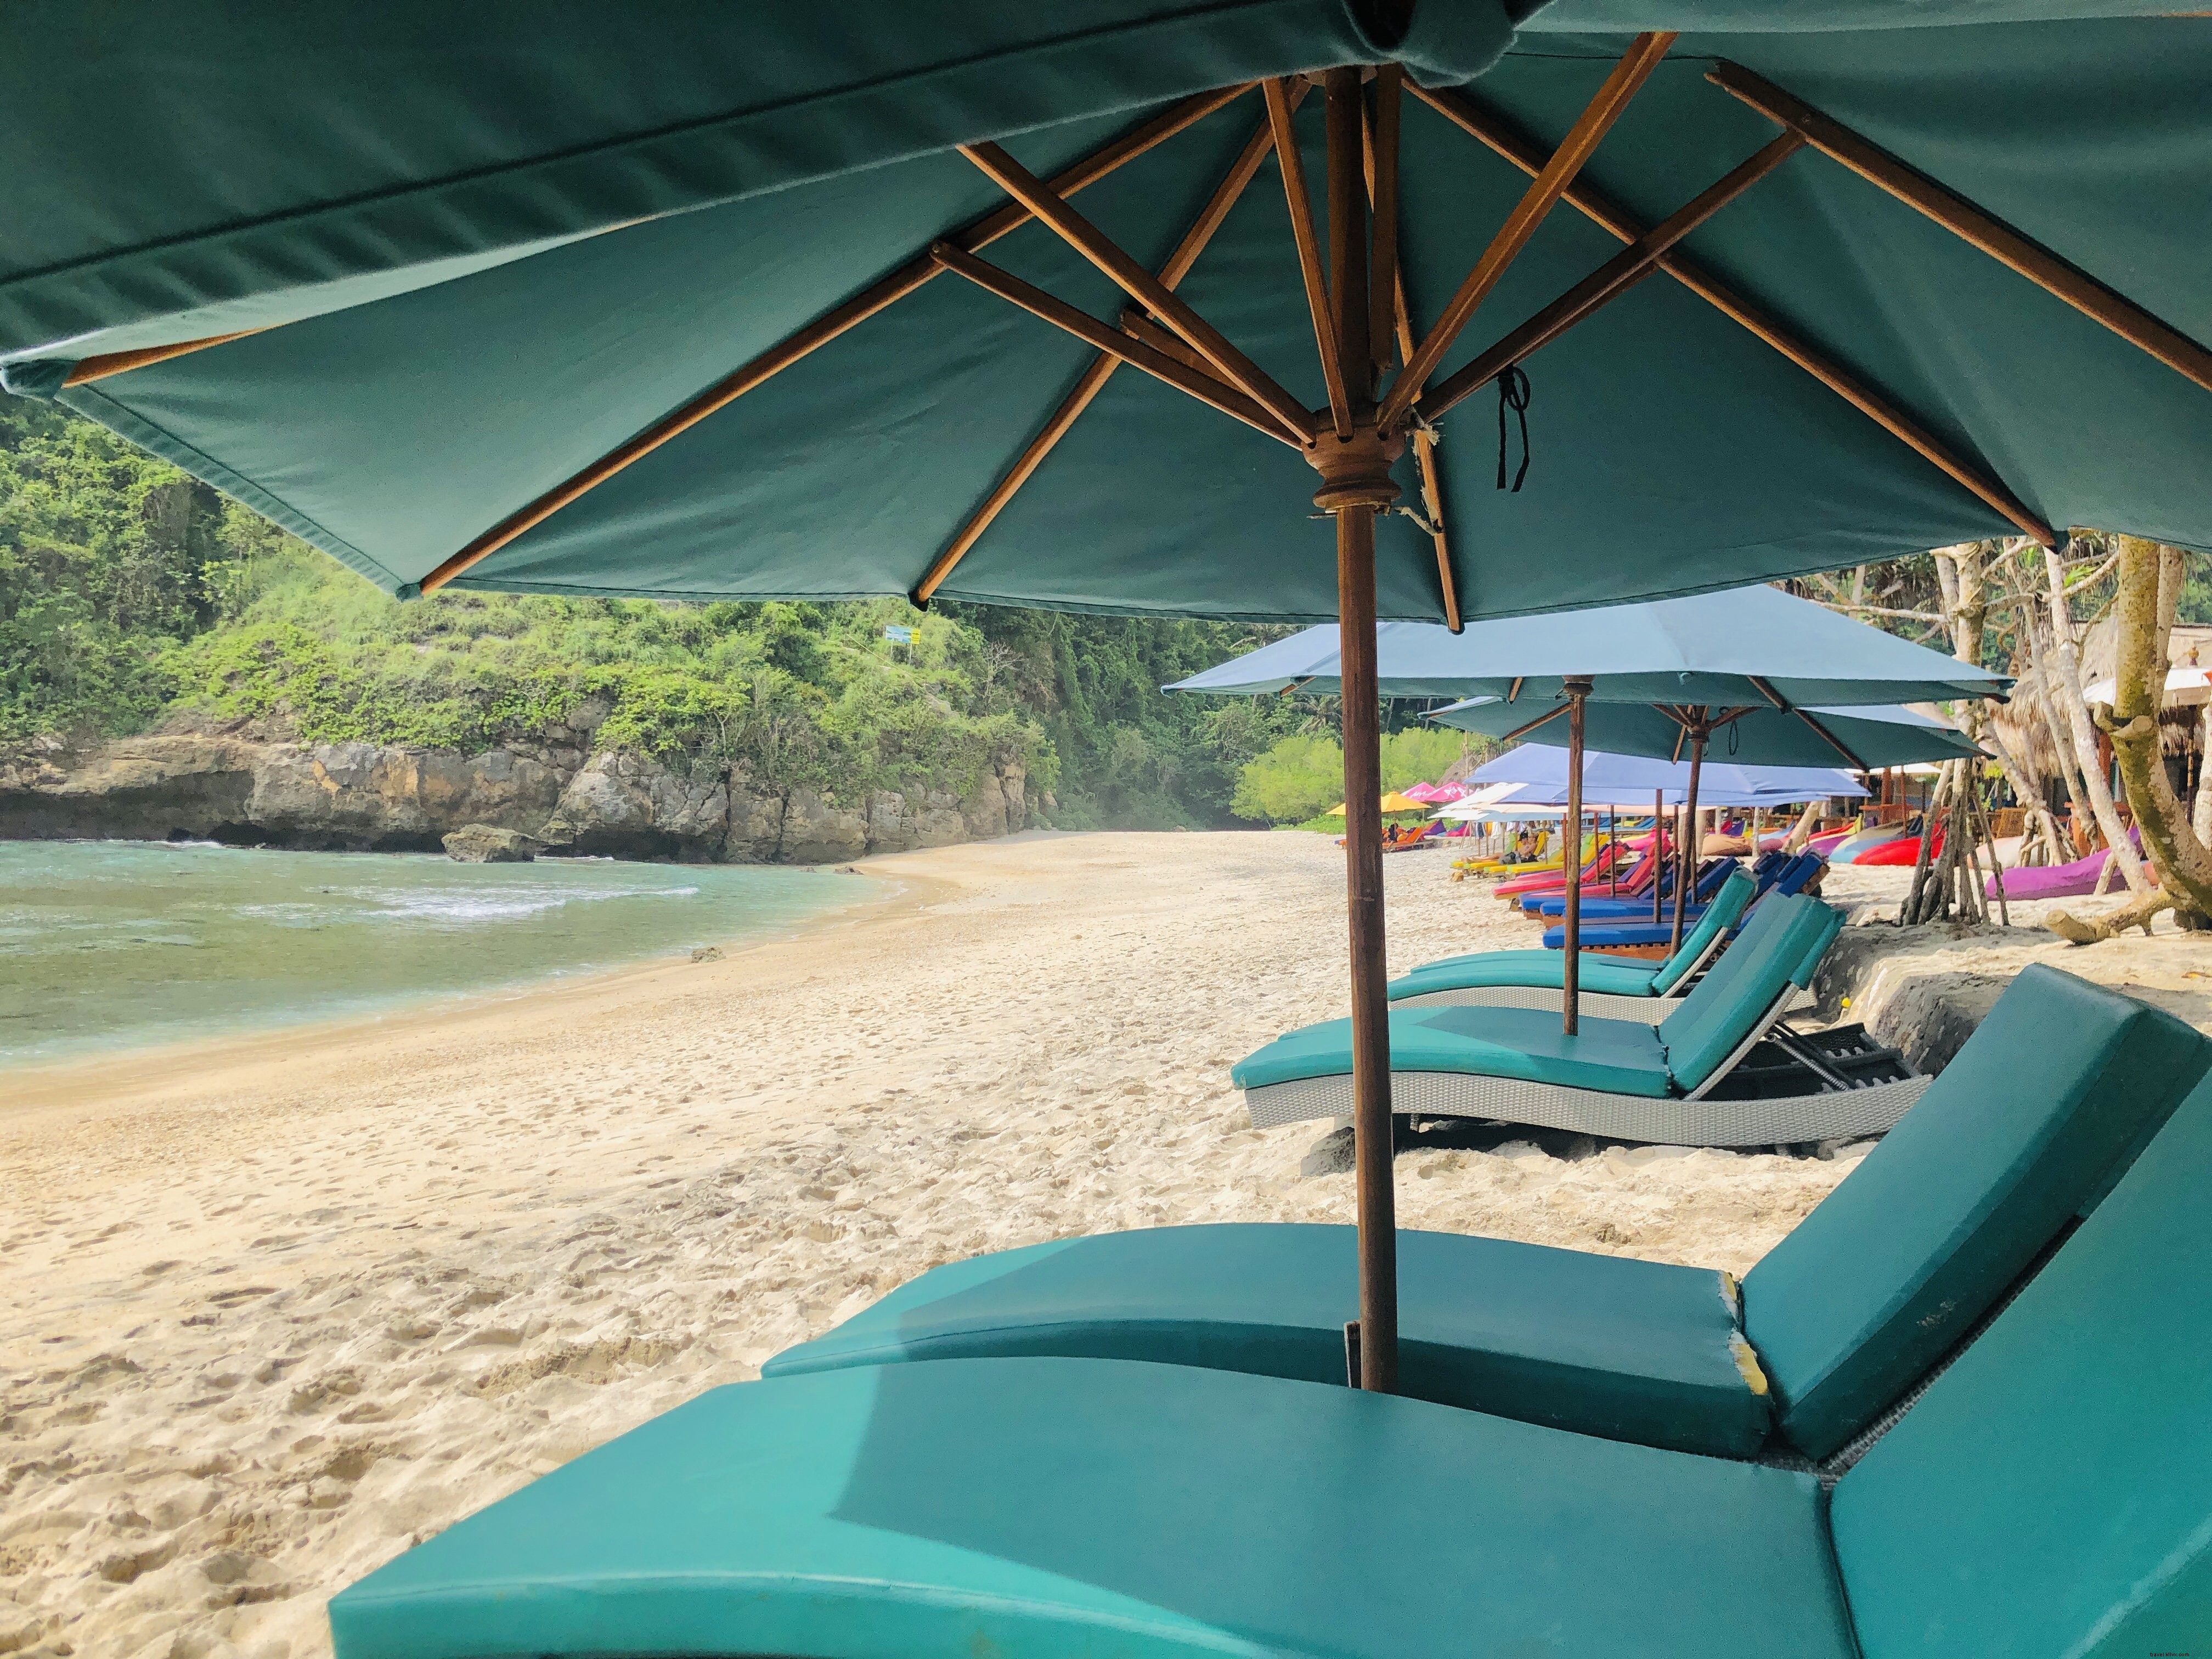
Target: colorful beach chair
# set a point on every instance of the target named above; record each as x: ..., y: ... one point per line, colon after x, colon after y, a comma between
x: 2038, y: 1497
x: 1605, y: 908
x: 1789, y: 876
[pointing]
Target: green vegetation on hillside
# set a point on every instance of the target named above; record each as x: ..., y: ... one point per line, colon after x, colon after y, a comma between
x: 1303, y: 776
x: 130, y: 596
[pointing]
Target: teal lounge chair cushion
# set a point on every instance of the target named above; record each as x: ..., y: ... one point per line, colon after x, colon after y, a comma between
x: 1601, y: 1345
x: 1538, y: 969
x: 1784, y: 940
x: 2047, y: 1495
x: 2059, y: 1084
x: 1620, y: 1056
x: 1726, y: 909
x: 1035, y: 1508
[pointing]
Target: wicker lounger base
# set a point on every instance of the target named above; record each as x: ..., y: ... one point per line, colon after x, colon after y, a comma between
x: 1649, y: 1010
x: 1844, y: 1113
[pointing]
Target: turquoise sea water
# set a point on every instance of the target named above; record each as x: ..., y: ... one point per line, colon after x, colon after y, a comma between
x: 112, y: 945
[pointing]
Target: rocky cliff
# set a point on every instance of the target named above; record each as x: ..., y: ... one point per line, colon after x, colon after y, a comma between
x: 562, y: 792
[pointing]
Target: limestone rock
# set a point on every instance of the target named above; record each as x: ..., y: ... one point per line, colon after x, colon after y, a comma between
x: 548, y: 786
x: 817, y: 831
x: 630, y: 806
x: 484, y: 844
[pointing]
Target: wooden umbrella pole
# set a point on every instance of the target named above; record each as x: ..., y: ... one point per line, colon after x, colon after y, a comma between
x: 1689, y: 837
x: 1658, y: 855
x: 1577, y: 689
x: 1371, y: 1128
x: 1356, y: 485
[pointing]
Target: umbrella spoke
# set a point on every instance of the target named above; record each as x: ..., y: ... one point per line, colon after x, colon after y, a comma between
x: 1401, y: 328
x: 1093, y: 379
x: 1492, y: 130
x: 1293, y: 169
x: 1963, y: 219
x: 1133, y: 323
x: 1831, y: 740
x: 1609, y: 281
x: 1544, y: 719
x: 1544, y: 191
x: 1107, y: 338
x: 1381, y: 124
x: 1140, y: 285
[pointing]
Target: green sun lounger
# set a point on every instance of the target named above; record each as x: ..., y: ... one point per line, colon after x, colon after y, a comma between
x: 2060, y: 1085
x: 2043, y: 1498
x: 1611, y: 988
x: 1626, y: 1079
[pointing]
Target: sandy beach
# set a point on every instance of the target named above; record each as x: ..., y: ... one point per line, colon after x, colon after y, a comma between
x: 281, y: 1307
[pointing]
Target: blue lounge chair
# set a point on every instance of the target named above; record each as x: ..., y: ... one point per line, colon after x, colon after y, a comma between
x: 1625, y: 1079
x: 2035, y: 1116
x: 1794, y: 877
x: 1615, y: 988
x: 2040, y: 1498
x: 1710, y: 875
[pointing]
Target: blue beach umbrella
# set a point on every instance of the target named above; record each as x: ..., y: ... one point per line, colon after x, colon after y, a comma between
x: 744, y: 302
x: 1625, y: 777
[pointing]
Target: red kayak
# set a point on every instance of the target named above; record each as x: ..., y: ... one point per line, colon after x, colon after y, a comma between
x: 1904, y: 850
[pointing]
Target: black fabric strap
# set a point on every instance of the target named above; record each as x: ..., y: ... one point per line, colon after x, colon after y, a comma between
x: 1512, y: 393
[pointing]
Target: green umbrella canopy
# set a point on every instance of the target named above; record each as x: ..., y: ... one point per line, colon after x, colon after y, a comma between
x: 1868, y: 738
x: 486, y: 246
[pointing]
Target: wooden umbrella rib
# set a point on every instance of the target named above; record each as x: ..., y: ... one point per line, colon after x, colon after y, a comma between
x: 1499, y: 136
x: 1424, y: 440
x: 1609, y: 281
x: 1541, y: 720
x: 1141, y: 286
x: 1549, y: 185
x: 1094, y: 379
x: 1963, y: 219
x: 1831, y: 739
x: 1133, y: 323
x: 876, y: 297
x: 1091, y: 383
x: 1381, y: 135
x: 1107, y: 338
x: 1308, y: 241
x: 86, y: 370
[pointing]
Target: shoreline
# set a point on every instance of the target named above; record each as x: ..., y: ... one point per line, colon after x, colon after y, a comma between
x: 112, y: 1076
x: 288, y: 1309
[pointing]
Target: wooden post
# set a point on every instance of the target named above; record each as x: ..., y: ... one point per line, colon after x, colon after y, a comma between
x: 1658, y: 855
x: 1356, y: 485
x: 1372, y: 1132
x: 1689, y: 835
x: 1577, y: 689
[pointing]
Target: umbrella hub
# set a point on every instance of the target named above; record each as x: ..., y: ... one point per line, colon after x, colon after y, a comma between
x: 1355, y: 471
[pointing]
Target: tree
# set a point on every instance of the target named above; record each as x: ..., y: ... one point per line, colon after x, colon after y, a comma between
x: 2151, y: 580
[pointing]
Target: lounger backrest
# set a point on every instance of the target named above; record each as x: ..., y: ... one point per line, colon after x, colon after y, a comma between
x: 2047, y: 1495
x: 1728, y: 906
x: 2063, y: 1081
x: 1720, y: 1012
